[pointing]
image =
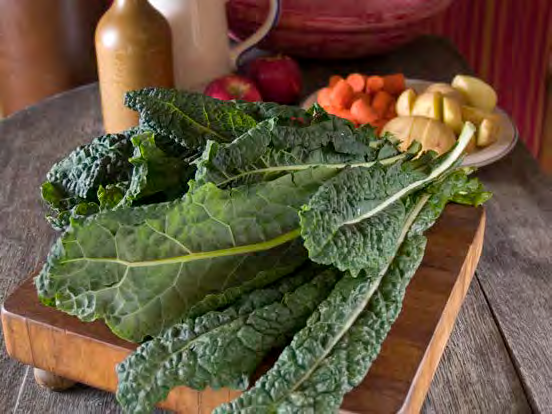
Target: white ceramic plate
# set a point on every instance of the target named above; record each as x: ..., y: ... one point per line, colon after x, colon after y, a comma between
x: 507, y: 139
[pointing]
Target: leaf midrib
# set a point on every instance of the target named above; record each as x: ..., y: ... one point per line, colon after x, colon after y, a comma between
x: 463, y: 141
x: 299, y: 167
x: 368, y: 295
x: 192, y: 121
x: 232, y: 251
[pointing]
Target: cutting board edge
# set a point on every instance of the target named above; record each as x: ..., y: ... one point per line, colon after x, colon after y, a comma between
x: 432, y: 356
x: 207, y: 399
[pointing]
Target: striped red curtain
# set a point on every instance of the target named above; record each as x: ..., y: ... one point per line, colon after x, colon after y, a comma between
x: 508, y: 43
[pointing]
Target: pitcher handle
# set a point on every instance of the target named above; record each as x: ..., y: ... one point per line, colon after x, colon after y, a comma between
x: 270, y: 21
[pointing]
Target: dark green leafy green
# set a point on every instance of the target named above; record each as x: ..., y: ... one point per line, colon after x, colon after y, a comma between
x: 72, y: 183
x: 111, y: 195
x: 61, y: 219
x: 132, y: 168
x: 216, y: 269
x: 142, y: 269
x: 472, y: 194
x: 222, y: 348
x: 103, y: 161
x: 354, y: 219
x: 270, y: 150
x: 290, y: 386
x: 344, y: 336
x: 155, y: 171
x: 286, y: 115
x: 61, y: 207
x: 189, y: 119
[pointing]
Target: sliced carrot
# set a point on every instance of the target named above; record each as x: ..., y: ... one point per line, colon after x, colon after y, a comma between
x: 323, y: 97
x: 342, y: 113
x: 346, y: 114
x: 361, y: 95
x: 374, y: 84
x: 342, y: 95
x: 392, y: 110
x: 334, y: 79
x: 394, y: 84
x: 357, y: 82
x: 381, y: 102
x: 363, y: 112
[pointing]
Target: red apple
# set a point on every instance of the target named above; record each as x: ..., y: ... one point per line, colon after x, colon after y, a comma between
x: 277, y: 77
x: 233, y: 87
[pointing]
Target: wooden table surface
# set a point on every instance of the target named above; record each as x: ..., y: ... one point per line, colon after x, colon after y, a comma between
x: 499, y: 357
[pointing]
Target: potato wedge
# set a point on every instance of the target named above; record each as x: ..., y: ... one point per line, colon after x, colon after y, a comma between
x: 401, y: 128
x: 438, y: 137
x: 478, y: 93
x: 432, y: 134
x: 405, y: 102
x: 446, y: 90
x: 475, y: 115
x: 472, y: 145
x: 487, y: 132
x: 452, y: 114
x: 430, y: 105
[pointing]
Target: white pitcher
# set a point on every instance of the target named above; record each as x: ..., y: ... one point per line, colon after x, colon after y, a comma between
x: 201, y: 50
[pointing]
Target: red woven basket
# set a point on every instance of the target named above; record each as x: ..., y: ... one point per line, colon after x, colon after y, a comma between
x: 335, y: 28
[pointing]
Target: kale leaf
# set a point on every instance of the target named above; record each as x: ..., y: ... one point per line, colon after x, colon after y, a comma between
x: 297, y: 222
x: 155, y: 171
x: 189, y: 119
x: 354, y: 219
x: 222, y: 348
x: 269, y: 150
x: 132, y: 168
x: 73, y: 183
x: 144, y: 268
x: 334, y: 352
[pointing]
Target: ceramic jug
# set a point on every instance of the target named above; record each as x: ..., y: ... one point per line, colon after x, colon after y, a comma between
x: 201, y: 50
x: 133, y: 49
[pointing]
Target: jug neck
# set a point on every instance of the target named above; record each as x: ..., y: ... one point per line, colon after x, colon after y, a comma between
x: 121, y: 4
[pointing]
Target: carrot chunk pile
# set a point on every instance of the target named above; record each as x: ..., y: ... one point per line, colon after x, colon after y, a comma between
x: 362, y: 99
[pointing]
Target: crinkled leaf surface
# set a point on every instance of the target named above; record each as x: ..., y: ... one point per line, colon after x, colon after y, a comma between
x: 114, y: 171
x: 75, y: 180
x: 270, y: 150
x: 308, y: 375
x: 103, y: 161
x: 155, y: 171
x: 349, y: 362
x: 286, y: 115
x: 222, y: 348
x: 142, y: 269
x: 354, y: 219
x: 342, y: 338
x: 189, y: 119
x: 111, y: 195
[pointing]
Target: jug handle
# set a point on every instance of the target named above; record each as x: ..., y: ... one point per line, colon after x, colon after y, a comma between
x: 270, y: 21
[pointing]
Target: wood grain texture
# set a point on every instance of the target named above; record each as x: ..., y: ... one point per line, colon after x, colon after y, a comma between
x: 516, y: 270
x: 34, y: 139
x: 397, y: 382
x: 477, y: 362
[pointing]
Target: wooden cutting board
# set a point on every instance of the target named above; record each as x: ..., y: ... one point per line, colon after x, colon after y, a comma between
x: 397, y: 382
